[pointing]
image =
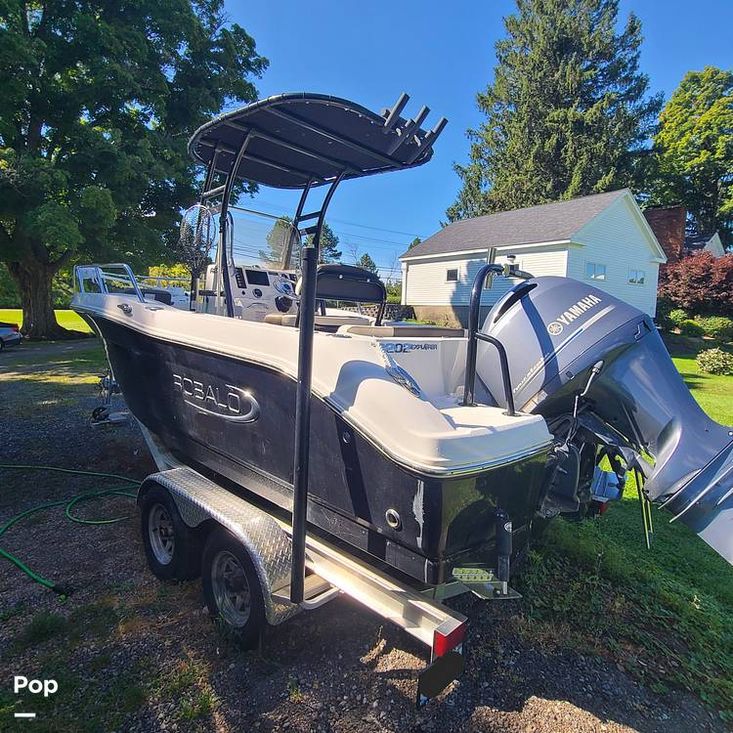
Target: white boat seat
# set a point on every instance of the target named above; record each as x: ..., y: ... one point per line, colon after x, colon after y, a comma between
x: 410, y: 331
x: 323, y: 323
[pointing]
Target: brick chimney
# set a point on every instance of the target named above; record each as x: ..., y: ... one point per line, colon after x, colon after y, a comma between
x: 668, y: 225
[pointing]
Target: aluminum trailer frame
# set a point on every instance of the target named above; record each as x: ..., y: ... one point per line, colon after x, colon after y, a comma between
x: 331, y: 571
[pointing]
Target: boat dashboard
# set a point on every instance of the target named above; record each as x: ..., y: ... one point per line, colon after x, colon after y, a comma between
x: 256, y: 291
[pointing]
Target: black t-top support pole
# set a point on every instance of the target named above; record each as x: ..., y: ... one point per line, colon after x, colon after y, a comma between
x: 307, y: 313
x: 223, y: 272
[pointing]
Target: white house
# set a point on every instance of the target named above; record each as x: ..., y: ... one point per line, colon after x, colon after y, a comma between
x: 603, y: 239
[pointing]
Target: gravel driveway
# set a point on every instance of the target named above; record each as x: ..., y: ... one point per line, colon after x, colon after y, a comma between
x: 131, y: 654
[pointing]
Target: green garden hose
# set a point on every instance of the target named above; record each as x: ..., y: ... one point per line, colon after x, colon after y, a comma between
x: 69, y: 504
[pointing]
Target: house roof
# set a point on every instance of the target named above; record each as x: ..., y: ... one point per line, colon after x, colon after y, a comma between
x: 697, y: 241
x: 556, y: 222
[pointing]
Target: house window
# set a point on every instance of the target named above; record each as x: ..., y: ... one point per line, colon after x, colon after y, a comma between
x: 636, y: 277
x: 595, y: 271
x: 451, y: 276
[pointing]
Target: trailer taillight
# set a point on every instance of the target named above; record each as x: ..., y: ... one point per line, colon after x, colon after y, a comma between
x: 444, y: 640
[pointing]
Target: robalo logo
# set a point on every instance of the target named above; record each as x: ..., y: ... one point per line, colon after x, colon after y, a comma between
x: 221, y: 400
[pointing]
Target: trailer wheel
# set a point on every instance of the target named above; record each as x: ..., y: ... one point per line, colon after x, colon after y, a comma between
x: 232, y: 589
x: 173, y: 549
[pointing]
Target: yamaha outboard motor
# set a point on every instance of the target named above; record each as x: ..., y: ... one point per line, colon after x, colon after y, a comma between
x: 597, y: 370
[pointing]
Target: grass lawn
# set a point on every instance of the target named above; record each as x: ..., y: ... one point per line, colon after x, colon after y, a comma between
x: 66, y: 319
x: 713, y: 393
x: 665, y: 614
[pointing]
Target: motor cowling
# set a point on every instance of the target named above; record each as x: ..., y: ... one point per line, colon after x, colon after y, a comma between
x: 565, y: 338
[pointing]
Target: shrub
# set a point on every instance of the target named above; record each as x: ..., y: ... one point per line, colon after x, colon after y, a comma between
x: 394, y: 292
x: 715, y: 361
x: 678, y: 316
x: 700, y: 283
x: 691, y: 328
x: 718, y: 327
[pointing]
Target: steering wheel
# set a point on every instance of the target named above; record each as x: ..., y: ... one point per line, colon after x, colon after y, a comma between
x: 284, y: 286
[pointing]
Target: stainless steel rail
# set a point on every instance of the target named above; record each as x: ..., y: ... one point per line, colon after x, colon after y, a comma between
x: 474, y: 336
x: 102, y: 275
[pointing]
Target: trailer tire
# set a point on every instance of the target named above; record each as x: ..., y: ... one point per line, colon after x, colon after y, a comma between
x: 232, y: 588
x: 172, y: 548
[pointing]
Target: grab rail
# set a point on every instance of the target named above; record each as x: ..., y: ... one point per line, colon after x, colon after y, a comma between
x: 102, y: 274
x: 474, y: 336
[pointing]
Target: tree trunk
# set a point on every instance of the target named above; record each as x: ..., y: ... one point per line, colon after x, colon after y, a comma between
x: 33, y: 279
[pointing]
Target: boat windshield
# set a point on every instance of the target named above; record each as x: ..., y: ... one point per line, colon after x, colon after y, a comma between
x: 264, y: 240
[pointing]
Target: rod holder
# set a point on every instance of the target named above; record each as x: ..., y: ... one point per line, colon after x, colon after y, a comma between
x: 394, y: 113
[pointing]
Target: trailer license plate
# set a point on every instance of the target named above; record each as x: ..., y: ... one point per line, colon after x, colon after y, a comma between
x: 438, y: 675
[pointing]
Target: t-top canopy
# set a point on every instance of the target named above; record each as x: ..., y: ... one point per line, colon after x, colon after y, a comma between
x: 291, y: 139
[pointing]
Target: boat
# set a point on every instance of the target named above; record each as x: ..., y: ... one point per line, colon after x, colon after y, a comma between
x: 430, y: 451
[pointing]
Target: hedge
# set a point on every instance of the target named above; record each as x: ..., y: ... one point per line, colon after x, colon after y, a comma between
x: 718, y: 327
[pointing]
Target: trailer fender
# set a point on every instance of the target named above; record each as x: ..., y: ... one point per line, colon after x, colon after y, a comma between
x: 200, y: 501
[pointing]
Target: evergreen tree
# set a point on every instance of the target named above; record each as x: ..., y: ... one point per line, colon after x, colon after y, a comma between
x: 367, y: 263
x: 277, y: 240
x: 694, y: 151
x: 567, y: 113
x: 329, y: 251
x: 414, y: 243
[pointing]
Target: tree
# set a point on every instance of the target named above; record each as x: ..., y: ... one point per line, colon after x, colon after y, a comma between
x: 367, y: 263
x: 329, y: 251
x: 276, y: 240
x: 170, y: 274
x: 414, y: 243
x: 694, y: 151
x: 394, y: 291
x: 99, y: 99
x: 567, y: 113
x: 701, y: 284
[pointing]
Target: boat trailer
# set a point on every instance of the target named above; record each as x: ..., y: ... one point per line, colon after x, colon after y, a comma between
x: 208, y: 510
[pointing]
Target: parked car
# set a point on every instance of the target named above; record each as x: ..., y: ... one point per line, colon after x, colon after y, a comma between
x: 9, y: 335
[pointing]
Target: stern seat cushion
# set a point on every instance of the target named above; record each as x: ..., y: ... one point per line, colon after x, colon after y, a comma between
x: 322, y: 322
x: 415, y: 331
x: 345, y: 324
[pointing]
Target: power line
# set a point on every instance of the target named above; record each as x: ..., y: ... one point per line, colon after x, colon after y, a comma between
x: 383, y: 242
x: 349, y: 223
x: 375, y: 242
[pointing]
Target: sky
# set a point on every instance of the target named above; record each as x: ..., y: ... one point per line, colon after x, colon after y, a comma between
x: 441, y: 54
